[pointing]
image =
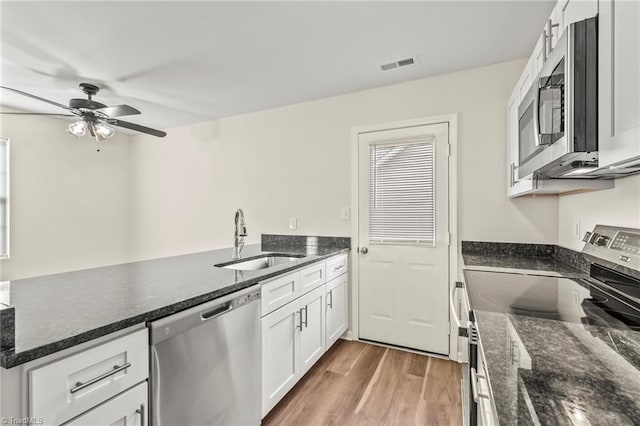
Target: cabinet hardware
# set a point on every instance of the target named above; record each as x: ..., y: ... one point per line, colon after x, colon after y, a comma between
x: 330, y: 303
x: 299, y: 325
x: 116, y: 369
x: 141, y: 412
x: 306, y: 317
x: 338, y: 267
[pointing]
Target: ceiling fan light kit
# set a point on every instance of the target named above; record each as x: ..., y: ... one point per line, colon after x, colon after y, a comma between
x: 77, y: 129
x: 94, y: 116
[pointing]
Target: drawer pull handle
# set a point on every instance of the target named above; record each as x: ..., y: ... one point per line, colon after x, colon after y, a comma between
x: 338, y: 267
x: 330, y: 299
x: 116, y: 369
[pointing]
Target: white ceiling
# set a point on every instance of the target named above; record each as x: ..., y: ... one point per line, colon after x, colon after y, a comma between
x: 184, y: 62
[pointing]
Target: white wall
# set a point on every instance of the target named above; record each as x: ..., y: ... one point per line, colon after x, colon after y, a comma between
x: 69, y: 203
x: 618, y: 206
x: 295, y: 161
x: 73, y: 208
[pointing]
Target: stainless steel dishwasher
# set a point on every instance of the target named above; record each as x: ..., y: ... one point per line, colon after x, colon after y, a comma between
x: 206, y: 363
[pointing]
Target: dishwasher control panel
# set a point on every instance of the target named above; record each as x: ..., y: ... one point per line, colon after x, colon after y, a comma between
x: 245, y: 298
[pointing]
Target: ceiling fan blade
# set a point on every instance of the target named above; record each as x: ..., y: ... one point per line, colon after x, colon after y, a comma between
x: 40, y: 99
x: 137, y: 127
x: 37, y: 113
x: 118, y: 110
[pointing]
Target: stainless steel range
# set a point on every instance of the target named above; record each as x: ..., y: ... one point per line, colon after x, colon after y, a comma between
x: 560, y: 340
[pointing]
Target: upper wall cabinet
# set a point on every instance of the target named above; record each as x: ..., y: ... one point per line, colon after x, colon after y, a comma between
x: 619, y: 83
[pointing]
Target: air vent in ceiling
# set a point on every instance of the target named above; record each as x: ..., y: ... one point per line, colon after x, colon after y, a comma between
x: 399, y: 63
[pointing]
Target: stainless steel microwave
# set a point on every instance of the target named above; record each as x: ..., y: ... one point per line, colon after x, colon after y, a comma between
x: 558, y: 117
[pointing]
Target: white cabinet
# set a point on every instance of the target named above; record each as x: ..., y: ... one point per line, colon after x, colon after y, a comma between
x: 126, y: 409
x: 312, y: 333
x: 312, y: 277
x: 280, y: 354
x: 293, y: 339
x: 337, y: 308
x: 569, y: 11
x: 296, y: 335
x: 515, y: 186
x: 619, y: 82
x: 279, y: 291
x: 63, y: 389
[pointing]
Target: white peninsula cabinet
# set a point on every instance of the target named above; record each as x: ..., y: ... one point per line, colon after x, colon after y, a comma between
x: 296, y: 334
x: 101, y: 382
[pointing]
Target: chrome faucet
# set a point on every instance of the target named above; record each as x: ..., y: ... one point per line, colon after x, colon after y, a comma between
x: 240, y: 233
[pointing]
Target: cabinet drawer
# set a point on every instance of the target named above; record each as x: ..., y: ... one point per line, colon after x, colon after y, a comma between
x: 279, y: 292
x: 312, y: 277
x: 129, y: 408
x: 337, y: 266
x: 63, y: 389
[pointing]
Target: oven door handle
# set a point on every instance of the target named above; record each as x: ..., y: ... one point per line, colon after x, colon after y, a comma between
x: 456, y: 318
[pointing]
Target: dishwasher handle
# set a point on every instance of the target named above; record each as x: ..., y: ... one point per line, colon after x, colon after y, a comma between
x: 217, y: 311
x: 180, y: 322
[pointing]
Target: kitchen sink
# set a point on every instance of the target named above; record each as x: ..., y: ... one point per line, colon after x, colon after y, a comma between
x: 260, y: 262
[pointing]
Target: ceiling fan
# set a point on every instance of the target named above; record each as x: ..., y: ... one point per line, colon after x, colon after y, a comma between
x: 94, y: 116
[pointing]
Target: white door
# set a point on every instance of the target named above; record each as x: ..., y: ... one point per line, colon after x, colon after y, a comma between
x: 337, y: 313
x: 312, y: 336
x: 280, y: 354
x: 403, y: 237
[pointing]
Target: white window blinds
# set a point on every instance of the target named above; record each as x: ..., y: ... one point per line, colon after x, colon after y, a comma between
x: 401, y: 192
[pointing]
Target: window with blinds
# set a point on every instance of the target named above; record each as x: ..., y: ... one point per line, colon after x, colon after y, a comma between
x: 4, y: 198
x: 402, y: 192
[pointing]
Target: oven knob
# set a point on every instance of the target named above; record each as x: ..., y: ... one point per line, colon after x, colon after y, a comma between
x: 602, y: 241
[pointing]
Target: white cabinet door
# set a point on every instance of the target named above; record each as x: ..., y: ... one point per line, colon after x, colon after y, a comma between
x: 312, y: 336
x: 280, y: 353
x: 539, y: 54
x: 337, y: 308
x: 126, y: 409
x: 619, y: 81
x: 570, y: 11
x: 515, y: 186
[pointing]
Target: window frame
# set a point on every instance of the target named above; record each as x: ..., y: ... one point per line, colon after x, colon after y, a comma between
x: 7, y: 197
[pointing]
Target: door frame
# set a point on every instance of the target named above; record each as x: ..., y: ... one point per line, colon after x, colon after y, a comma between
x: 452, y: 121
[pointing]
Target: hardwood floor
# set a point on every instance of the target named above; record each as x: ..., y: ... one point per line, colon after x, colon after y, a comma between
x: 362, y: 384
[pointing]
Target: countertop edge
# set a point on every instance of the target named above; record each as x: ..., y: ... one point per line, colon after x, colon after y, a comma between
x: 10, y: 359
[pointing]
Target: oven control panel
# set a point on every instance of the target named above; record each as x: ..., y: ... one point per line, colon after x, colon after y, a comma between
x: 618, y: 245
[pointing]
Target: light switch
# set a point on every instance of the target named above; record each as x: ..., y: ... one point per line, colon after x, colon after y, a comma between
x: 346, y: 213
x: 293, y: 222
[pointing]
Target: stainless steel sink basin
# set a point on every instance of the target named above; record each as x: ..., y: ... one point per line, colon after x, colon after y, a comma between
x: 260, y: 262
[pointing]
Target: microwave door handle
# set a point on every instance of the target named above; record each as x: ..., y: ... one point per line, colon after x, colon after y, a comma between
x: 536, y: 113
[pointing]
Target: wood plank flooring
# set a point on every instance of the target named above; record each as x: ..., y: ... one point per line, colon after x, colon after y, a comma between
x: 361, y: 384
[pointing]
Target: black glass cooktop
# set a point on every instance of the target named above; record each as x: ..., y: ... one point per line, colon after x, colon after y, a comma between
x: 562, y: 299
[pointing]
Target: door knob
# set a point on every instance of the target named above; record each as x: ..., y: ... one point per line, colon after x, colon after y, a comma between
x: 364, y: 250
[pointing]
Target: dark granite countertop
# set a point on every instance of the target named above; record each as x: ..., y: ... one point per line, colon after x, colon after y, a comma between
x: 532, y: 259
x: 55, y: 312
x: 551, y: 371
x: 520, y: 264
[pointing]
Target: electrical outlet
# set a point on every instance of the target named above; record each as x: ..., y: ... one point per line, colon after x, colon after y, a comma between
x: 293, y: 222
x: 346, y: 213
